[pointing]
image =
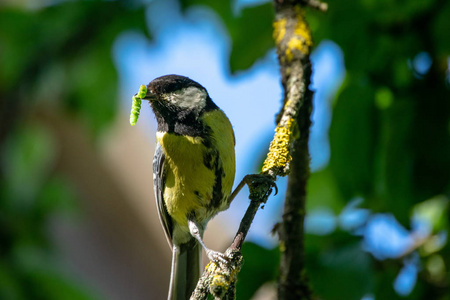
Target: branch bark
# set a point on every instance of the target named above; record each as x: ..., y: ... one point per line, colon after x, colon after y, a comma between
x: 294, y: 42
x: 293, y: 282
x: 220, y: 280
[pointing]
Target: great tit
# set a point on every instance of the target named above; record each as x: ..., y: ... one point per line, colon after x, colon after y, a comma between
x: 193, y: 172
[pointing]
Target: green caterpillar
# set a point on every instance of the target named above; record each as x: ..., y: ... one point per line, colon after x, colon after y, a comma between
x: 136, y: 105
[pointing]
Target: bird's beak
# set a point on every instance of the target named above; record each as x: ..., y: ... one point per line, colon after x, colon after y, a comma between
x: 150, y: 96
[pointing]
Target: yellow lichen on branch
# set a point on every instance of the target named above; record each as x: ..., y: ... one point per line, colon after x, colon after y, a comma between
x: 279, y: 31
x: 219, y: 279
x: 279, y: 156
x: 297, y: 33
x: 301, y: 40
x: 293, y: 40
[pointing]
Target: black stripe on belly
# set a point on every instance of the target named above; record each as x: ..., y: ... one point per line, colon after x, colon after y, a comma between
x: 208, y: 159
x: 217, y: 188
x: 212, y: 161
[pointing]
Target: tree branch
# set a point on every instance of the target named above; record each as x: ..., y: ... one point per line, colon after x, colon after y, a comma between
x: 293, y: 41
x: 220, y: 281
x: 293, y: 283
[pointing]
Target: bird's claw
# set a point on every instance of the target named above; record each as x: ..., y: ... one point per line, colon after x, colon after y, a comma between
x: 217, y: 257
x: 261, y: 185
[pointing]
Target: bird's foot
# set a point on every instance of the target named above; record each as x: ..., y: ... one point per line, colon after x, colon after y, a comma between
x: 217, y: 257
x: 260, y: 186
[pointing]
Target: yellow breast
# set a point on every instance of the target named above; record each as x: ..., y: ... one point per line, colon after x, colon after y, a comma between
x: 199, y: 172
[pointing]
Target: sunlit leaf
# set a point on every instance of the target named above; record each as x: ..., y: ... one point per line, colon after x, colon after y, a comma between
x: 433, y: 212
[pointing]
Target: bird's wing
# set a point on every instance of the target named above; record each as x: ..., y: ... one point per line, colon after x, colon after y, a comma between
x: 158, y: 184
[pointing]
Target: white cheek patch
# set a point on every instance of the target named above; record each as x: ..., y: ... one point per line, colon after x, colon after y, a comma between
x: 190, y: 97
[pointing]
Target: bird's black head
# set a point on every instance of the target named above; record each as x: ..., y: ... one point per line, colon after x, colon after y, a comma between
x: 172, y: 83
x: 178, y: 100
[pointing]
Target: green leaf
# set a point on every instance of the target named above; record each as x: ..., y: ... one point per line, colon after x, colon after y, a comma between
x: 433, y: 211
x: 222, y: 8
x: 27, y: 158
x: 348, y: 23
x: 430, y: 136
x: 53, y: 286
x: 250, y: 30
x: 341, y: 272
x: 260, y: 266
x: 384, y: 287
x: 352, y: 140
x: 440, y: 26
x: 19, y: 45
x: 93, y: 90
x: 251, y: 36
x: 397, y: 160
x: 10, y: 287
x: 324, y: 192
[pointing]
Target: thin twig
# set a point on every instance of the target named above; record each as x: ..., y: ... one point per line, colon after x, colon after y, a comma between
x: 220, y: 280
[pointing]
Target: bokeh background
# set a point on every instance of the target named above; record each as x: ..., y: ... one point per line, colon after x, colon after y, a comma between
x: 77, y: 214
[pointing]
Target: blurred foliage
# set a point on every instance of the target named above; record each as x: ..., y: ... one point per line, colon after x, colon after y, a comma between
x: 389, y: 136
x: 29, y: 195
x: 55, y: 55
x: 390, y: 131
x: 255, y: 273
x: 338, y: 269
x: 63, y: 53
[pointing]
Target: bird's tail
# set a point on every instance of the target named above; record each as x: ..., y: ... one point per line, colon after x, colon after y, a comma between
x: 185, y: 270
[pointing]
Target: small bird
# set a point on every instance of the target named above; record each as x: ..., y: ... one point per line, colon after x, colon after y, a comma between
x: 193, y: 172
